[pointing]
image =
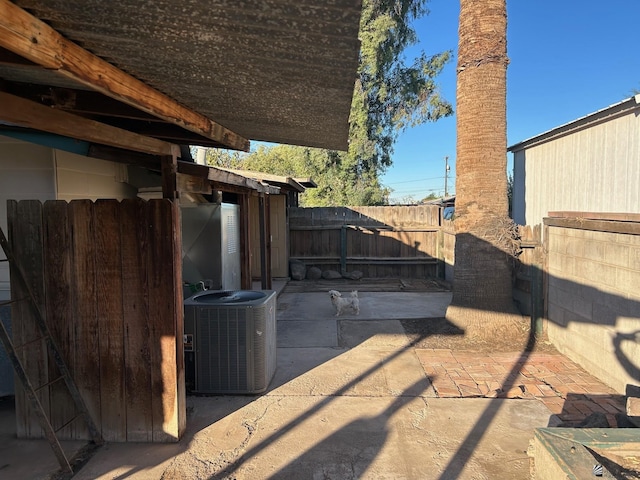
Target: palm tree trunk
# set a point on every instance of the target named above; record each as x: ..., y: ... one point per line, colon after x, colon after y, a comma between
x: 482, y: 289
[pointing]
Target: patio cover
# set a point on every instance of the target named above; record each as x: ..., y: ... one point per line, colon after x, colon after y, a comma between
x: 212, y: 73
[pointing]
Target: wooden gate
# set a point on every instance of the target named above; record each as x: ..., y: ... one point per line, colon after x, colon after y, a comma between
x: 108, y: 276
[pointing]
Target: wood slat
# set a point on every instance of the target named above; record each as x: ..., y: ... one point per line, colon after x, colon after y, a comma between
x: 178, y: 316
x: 59, y: 309
x: 164, y: 336
x: 109, y: 305
x: 134, y: 232
x: 25, y: 236
x: 84, y: 321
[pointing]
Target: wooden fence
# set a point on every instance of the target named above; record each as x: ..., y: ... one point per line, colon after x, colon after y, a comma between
x: 378, y: 241
x: 106, y: 274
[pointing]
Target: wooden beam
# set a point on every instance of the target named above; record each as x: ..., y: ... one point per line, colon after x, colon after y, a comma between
x: 262, y: 215
x: 632, y: 228
x: 112, y: 154
x: 268, y: 178
x: 191, y: 184
x: 613, y: 216
x: 169, y: 177
x: 246, y: 276
x: 30, y: 114
x: 29, y: 37
x: 224, y: 177
x: 268, y: 270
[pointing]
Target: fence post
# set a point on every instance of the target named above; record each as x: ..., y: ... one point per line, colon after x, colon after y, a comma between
x: 343, y: 249
x: 537, y: 292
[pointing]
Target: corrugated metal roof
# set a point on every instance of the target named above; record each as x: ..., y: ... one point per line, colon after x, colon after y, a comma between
x: 274, y: 70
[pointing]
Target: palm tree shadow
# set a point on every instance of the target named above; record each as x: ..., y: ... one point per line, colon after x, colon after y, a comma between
x: 374, y: 428
x: 349, y: 452
x: 467, y: 448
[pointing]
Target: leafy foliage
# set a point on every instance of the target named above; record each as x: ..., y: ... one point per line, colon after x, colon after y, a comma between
x: 431, y: 196
x: 390, y: 95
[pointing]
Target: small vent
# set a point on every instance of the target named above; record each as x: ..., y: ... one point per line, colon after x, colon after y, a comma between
x: 232, y: 230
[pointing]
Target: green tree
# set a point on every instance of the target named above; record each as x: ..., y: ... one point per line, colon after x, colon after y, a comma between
x: 390, y: 94
x: 219, y: 157
x: 431, y: 196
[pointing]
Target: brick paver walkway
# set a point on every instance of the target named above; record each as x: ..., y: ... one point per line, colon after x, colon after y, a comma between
x: 564, y: 387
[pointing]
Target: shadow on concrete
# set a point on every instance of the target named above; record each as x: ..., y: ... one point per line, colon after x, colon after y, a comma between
x: 229, y: 471
x: 615, y: 308
x: 349, y: 452
x: 466, y: 449
x: 606, y: 309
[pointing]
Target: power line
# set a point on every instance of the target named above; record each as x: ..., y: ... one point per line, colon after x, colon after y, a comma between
x: 411, y: 181
x: 417, y: 192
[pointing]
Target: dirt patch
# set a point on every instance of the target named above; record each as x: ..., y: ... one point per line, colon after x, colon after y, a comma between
x: 439, y: 333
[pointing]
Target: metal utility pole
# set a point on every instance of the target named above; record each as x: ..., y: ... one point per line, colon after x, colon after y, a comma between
x: 446, y: 175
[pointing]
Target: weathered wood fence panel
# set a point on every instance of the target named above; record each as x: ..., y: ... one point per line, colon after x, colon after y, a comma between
x: 378, y: 241
x: 113, y: 405
x: 108, y: 274
x: 25, y: 233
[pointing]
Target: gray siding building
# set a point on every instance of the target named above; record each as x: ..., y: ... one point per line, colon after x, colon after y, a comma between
x: 589, y: 165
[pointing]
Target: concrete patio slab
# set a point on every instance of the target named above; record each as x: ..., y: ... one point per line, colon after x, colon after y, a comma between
x: 351, y: 398
x: 294, y: 362
x: 283, y: 437
x: 362, y: 371
x: 18, y: 456
x: 297, y: 333
x: 383, y: 333
x: 373, y: 305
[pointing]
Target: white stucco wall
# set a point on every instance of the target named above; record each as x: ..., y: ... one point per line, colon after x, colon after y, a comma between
x: 80, y: 177
x: 33, y: 172
x: 26, y: 173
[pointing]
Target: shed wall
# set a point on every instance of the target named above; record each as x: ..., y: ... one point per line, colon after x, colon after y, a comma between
x: 595, y: 169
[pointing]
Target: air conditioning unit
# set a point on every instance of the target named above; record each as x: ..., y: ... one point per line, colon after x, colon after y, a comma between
x: 230, y: 341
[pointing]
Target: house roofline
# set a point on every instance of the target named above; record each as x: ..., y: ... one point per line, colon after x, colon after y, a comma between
x: 602, y: 115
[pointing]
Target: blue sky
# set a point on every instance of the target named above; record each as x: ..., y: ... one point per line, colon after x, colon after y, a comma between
x: 568, y: 58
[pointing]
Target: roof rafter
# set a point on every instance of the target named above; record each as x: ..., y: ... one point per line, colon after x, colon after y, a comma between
x: 29, y: 37
x: 26, y: 113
